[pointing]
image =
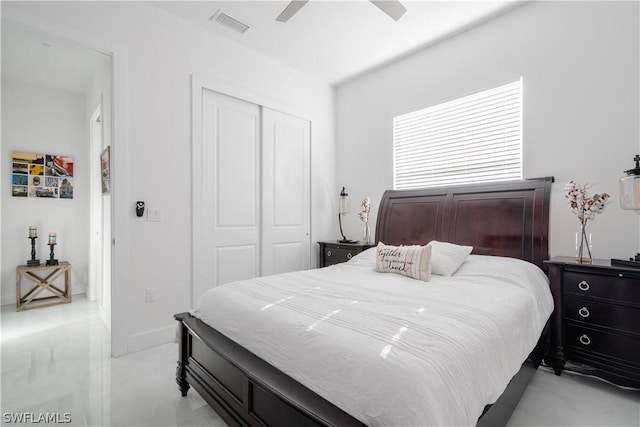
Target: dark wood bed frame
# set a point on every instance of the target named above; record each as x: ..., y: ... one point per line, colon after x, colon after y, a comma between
x: 504, y: 219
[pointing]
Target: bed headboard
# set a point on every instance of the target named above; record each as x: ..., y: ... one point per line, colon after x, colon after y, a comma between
x: 505, y: 219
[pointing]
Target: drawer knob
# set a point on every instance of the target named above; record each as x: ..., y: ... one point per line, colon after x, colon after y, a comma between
x: 584, y: 312
x: 583, y: 286
x: 584, y: 339
x: 328, y: 253
x: 349, y: 255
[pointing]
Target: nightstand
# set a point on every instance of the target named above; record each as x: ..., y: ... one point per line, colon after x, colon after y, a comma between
x: 335, y: 252
x: 43, y: 278
x: 596, y: 320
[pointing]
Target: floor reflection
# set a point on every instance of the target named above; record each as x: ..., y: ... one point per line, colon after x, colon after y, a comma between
x: 56, y: 363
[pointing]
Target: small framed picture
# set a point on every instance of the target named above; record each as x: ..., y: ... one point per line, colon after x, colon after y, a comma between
x: 105, y: 166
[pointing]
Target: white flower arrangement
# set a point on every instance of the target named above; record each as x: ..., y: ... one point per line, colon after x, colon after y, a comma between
x: 364, y: 210
x: 585, y: 207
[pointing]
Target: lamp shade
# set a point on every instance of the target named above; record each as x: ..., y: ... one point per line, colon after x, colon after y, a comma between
x: 630, y: 188
x: 344, y: 207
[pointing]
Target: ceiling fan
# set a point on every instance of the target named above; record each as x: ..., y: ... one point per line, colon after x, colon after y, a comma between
x: 393, y: 8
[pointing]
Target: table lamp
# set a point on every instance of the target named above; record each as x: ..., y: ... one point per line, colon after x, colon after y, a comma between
x: 630, y: 200
x: 344, y: 207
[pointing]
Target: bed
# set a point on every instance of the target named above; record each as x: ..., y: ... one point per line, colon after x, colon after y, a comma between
x: 505, y: 222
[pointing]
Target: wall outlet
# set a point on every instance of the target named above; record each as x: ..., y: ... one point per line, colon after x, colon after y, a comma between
x: 150, y: 295
x: 154, y: 215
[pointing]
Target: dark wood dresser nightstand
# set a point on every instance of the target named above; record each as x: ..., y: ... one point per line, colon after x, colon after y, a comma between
x: 596, y: 320
x: 335, y: 253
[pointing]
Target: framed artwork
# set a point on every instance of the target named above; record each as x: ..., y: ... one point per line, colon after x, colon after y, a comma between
x: 41, y: 175
x: 105, y: 166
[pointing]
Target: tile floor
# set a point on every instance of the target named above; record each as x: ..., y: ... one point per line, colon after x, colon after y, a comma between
x: 56, y: 360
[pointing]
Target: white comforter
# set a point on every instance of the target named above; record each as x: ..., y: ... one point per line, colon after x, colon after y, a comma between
x: 388, y: 349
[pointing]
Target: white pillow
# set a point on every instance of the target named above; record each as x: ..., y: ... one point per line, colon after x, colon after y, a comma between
x: 446, y: 258
x: 412, y: 261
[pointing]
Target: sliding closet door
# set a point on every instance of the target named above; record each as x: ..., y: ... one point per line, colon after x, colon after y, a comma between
x: 286, y: 186
x: 227, y: 231
x: 251, y: 191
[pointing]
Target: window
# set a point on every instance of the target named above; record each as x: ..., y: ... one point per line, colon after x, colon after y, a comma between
x: 477, y: 138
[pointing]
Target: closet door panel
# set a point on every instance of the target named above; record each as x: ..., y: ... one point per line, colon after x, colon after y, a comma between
x: 286, y: 193
x: 228, y: 228
x: 289, y: 158
x: 289, y: 256
x: 244, y: 256
x: 235, y: 172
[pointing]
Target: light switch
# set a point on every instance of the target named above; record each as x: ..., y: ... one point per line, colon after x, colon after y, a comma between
x: 154, y: 215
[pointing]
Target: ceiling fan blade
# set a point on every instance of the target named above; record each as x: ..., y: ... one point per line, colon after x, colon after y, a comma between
x: 393, y: 8
x: 291, y: 9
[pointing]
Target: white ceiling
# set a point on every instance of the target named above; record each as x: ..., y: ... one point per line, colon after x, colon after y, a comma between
x: 338, y: 40
x: 332, y: 40
x: 45, y: 61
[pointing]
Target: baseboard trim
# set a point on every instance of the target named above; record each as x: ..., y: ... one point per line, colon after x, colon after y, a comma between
x: 153, y: 338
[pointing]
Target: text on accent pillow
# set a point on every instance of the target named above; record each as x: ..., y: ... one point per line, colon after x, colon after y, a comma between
x: 412, y: 261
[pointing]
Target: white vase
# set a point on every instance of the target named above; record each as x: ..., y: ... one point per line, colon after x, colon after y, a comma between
x: 584, y: 245
x: 366, y: 235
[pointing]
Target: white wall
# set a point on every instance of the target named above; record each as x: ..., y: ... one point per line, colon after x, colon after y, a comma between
x: 162, y: 52
x: 42, y: 120
x: 579, y: 62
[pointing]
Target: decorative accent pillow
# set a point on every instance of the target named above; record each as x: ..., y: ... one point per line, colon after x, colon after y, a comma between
x: 446, y: 258
x: 412, y: 261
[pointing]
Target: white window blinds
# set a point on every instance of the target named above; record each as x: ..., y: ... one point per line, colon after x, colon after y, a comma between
x: 477, y: 138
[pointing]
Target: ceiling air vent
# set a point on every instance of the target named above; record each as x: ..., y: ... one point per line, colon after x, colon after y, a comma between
x: 224, y: 19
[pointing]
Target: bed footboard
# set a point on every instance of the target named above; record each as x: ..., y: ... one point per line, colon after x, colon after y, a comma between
x: 242, y: 388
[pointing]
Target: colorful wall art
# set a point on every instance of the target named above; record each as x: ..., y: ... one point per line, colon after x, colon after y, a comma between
x: 42, y: 175
x: 105, y: 167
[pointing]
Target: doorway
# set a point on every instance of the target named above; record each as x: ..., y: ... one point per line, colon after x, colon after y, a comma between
x: 76, y: 112
x: 99, y: 287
